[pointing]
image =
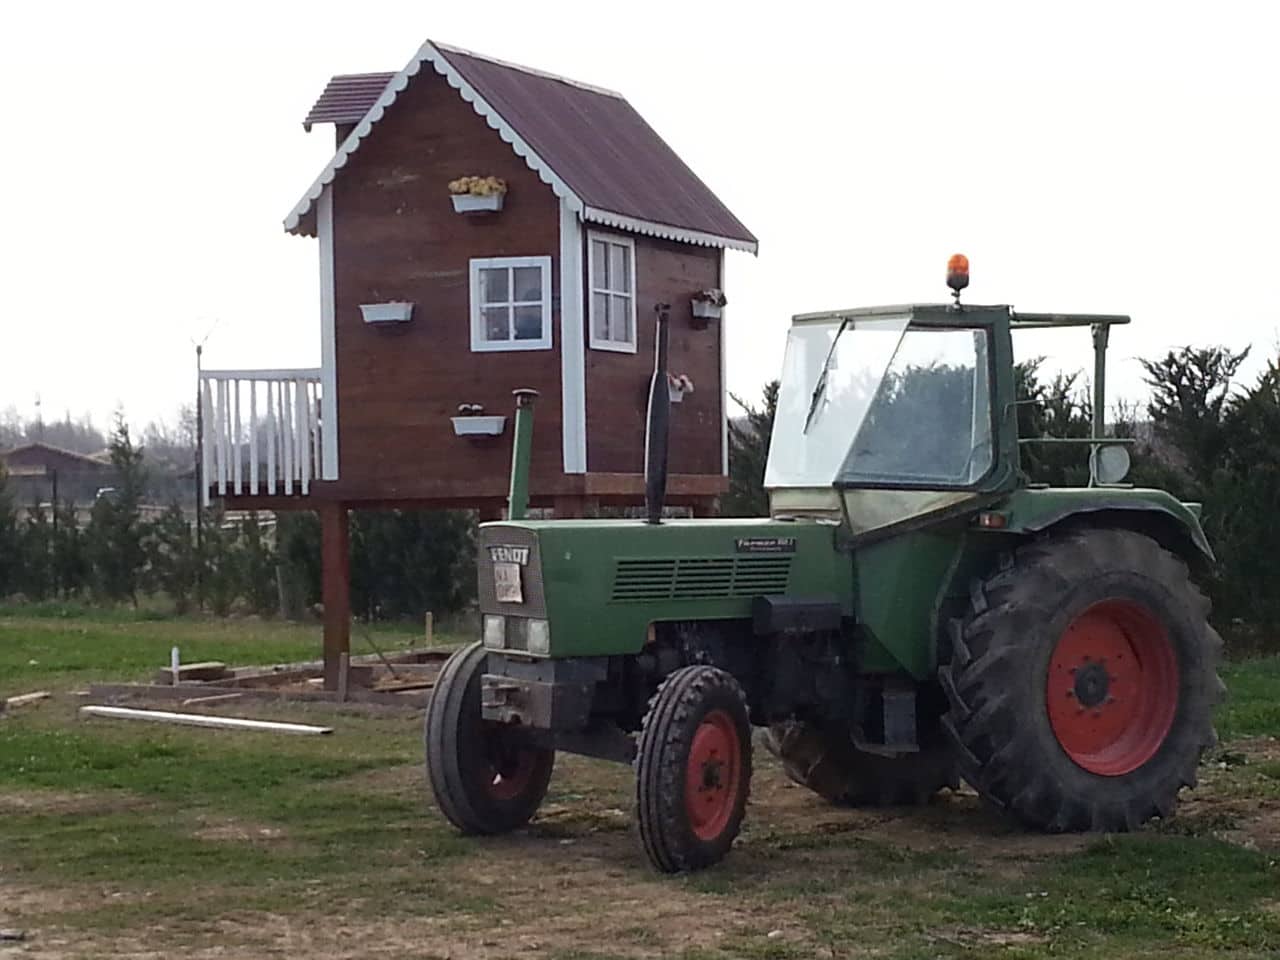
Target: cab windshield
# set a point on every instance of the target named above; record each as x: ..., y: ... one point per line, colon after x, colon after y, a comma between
x: 876, y: 402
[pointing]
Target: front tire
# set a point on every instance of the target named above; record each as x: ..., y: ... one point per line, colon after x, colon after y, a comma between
x: 1082, y: 682
x: 487, y: 778
x: 693, y: 769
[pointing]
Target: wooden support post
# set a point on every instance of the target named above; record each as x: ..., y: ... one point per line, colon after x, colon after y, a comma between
x: 336, y: 576
x: 429, y: 625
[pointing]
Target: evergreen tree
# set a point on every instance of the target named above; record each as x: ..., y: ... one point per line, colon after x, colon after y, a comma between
x: 116, y: 529
x: 257, y: 567
x: 1190, y: 393
x: 36, y: 577
x: 748, y: 454
x: 406, y: 562
x: 171, y: 559
x: 71, y: 570
x: 10, y: 541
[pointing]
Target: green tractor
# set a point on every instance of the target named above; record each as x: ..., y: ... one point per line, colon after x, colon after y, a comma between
x: 914, y: 611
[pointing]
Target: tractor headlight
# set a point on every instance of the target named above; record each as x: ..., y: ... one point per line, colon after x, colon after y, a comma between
x: 495, y: 632
x: 539, y: 637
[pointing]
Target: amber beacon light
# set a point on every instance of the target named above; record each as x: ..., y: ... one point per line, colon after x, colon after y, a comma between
x: 957, y: 274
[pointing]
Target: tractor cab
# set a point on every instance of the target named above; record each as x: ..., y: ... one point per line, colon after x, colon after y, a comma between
x: 890, y: 413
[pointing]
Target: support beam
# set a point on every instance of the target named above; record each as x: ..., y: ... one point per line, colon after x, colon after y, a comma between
x: 573, y: 508
x: 335, y: 551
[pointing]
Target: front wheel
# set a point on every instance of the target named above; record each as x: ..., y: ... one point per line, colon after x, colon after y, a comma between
x: 693, y: 769
x: 1082, y: 682
x: 487, y: 778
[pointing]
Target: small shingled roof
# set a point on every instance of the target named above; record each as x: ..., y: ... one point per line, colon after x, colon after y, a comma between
x: 588, y: 144
x: 347, y: 98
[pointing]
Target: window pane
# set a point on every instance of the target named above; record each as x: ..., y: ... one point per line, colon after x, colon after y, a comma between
x: 496, y: 323
x: 493, y: 285
x: 619, y: 268
x: 528, y: 284
x: 528, y: 323
x: 600, y: 316
x: 620, y: 319
x: 600, y: 264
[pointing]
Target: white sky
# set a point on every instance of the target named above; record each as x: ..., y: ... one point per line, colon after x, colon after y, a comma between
x: 1100, y: 157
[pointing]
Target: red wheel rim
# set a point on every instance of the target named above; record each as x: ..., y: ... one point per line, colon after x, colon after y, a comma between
x: 1113, y: 687
x: 509, y: 768
x: 712, y: 775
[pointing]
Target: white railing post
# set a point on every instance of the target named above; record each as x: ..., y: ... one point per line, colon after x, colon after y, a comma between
x: 220, y: 413
x: 304, y: 436
x: 291, y: 428
x: 286, y: 436
x: 253, y: 437
x: 271, y: 439
x: 236, y: 435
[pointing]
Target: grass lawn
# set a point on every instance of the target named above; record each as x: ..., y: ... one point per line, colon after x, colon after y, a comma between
x: 136, y: 840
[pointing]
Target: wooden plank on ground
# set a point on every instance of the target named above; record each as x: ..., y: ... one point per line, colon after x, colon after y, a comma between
x: 202, y: 720
x: 370, y: 698
x: 206, y: 670
x: 24, y: 698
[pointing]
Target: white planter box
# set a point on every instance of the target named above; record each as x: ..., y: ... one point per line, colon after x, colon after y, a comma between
x: 474, y: 203
x: 478, y: 426
x: 706, y: 311
x: 386, y: 312
x: 674, y: 393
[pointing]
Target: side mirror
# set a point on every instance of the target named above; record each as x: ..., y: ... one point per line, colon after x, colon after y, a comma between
x: 1109, y: 464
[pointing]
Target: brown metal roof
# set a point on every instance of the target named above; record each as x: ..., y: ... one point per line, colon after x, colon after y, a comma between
x: 347, y: 97
x: 599, y: 146
x: 589, y: 144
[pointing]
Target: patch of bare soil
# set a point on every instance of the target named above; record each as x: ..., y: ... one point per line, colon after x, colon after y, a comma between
x: 64, y: 802
x: 955, y: 821
x: 234, y: 830
x: 1231, y: 814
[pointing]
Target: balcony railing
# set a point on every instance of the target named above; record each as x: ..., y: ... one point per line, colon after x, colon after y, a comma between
x: 262, y: 432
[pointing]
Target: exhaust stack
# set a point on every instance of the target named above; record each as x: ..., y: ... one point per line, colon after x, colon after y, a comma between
x: 521, y: 450
x: 655, y: 437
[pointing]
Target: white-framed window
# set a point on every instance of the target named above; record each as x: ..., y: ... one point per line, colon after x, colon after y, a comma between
x: 611, y: 269
x: 511, y: 303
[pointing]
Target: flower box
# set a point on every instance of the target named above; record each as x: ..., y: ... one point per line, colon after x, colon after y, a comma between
x: 705, y: 310
x: 386, y: 312
x: 477, y: 203
x: 478, y: 426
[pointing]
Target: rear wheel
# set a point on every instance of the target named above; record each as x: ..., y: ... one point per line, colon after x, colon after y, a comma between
x: 693, y: 769
x: 486, y: 777
x: 826, y: 762
x: 1082, y: 682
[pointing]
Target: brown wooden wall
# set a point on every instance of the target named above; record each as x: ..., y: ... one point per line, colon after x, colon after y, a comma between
x: 396, y: 237
x: 618, y: 383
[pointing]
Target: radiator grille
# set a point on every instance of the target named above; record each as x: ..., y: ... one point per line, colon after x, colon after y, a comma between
x: 699, y: 578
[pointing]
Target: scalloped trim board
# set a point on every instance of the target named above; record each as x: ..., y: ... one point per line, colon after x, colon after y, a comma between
x: 432, y: 54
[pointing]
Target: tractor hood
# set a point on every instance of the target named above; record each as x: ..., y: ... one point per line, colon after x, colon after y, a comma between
x: 597, y: 585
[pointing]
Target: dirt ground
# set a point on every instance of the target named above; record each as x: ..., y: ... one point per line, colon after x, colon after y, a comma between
x: 575, y: 885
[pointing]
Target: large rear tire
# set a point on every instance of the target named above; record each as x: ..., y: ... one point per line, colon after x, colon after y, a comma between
x: 693, y: 769
x: 1082, y: 682
x: 487, y: 778
x: 826, y: 762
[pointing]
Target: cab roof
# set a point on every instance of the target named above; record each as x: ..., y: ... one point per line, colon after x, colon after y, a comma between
x: 965, y: 314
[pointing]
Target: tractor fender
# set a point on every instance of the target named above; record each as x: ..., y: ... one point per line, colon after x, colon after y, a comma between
x: 1170, y: 522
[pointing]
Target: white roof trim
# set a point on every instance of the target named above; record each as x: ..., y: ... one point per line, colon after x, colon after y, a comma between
x: 428, y: 53
x: 649, y: 228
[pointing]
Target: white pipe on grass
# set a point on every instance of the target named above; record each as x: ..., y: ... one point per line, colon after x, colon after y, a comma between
x: 202, y: 720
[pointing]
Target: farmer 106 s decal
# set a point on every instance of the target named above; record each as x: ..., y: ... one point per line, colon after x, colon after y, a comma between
x: 914, y: 612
